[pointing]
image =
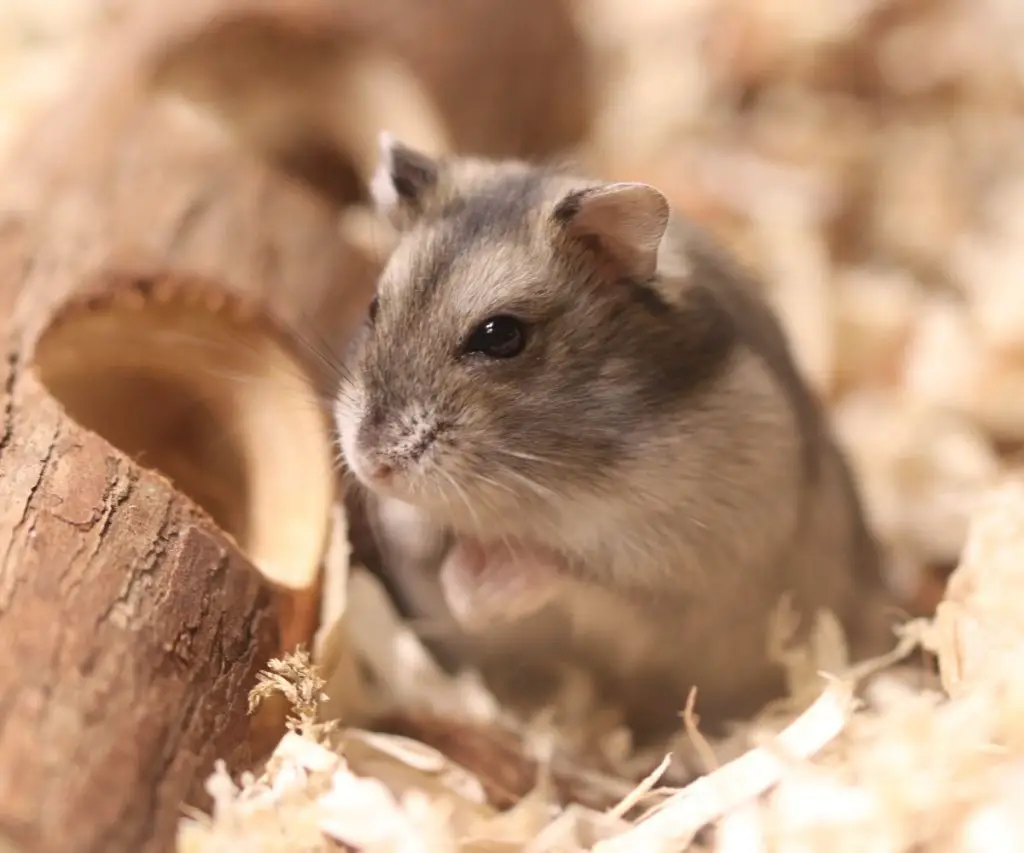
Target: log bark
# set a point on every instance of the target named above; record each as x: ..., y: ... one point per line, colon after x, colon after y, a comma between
x: 130, y: 632
x: 139, y: 254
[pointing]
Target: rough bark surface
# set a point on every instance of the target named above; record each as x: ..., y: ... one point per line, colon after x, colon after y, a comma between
x: 131, y: 628
x: 130, y: 633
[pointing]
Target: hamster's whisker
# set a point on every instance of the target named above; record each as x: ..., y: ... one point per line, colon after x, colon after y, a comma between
x: 535, y: 462
x: 345, y: 394
x: 461, y: 494
x: 322, y: 352
x: 542, y: 492
x: 340, y: 468
x: 174, y: 336
x: 519, y: 454
x: 348, y: 476
x: 178, y: 339
x: 495, y: 484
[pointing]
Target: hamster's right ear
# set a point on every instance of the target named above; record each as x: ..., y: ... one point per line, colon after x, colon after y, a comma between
x: 625, y: 222
x: 403, y: 182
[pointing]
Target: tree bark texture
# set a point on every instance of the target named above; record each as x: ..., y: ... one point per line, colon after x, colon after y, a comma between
x: 132, y: 625
x: 130, y: 632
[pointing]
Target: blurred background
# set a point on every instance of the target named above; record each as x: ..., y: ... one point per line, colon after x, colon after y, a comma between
x: 866, y: 157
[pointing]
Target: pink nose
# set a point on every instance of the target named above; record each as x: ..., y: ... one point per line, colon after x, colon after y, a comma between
x: 380, y: 470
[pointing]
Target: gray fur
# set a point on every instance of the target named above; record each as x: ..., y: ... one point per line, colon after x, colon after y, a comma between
x: 655, y: 433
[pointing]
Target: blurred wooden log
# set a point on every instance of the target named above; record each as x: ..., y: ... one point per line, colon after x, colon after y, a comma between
x: 311, y: 83
x: 160, y: 435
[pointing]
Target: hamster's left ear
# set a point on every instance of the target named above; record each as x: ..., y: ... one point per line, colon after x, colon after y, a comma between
x: 403, y: 181
x: 623, y: 222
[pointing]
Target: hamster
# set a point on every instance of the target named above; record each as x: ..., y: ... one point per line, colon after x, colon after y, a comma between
x: 579, y: 434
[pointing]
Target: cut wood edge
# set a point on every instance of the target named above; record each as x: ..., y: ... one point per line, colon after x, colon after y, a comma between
x: 203, y: 386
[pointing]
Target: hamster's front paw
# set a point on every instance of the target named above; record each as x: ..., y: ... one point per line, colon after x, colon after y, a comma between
x: 484, y: 583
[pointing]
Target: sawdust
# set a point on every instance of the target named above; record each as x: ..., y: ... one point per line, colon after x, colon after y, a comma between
x: 911, y: 769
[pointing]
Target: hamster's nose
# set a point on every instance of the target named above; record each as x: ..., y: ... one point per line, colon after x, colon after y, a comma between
x: 368, y: 441
x: 380, y: 471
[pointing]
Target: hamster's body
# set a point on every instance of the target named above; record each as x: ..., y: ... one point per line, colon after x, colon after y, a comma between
x: 562, y: 376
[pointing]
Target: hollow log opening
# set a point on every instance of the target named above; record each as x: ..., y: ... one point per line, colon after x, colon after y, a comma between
x: 215, y: 400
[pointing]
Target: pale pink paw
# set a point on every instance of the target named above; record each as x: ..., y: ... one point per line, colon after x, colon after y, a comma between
x: 484, y: 583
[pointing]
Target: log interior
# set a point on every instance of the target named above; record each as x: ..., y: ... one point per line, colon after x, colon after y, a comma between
x: 218, y: 405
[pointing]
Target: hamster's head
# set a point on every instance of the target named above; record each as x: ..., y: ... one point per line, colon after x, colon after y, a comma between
x: 520, y: 345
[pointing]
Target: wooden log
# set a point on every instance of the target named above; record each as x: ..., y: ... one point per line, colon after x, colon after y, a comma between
x: 161, y: 434
x: 310, y: 83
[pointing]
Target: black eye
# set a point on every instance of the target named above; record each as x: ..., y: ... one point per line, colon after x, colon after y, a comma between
x: 373, y: 310
x: 497, y: 337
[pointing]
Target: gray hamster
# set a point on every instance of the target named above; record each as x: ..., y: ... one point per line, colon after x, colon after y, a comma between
x: 579, y: 433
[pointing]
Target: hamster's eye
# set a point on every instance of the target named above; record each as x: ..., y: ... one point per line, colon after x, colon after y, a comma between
x: 372, y: 311
x: 497, y: 337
